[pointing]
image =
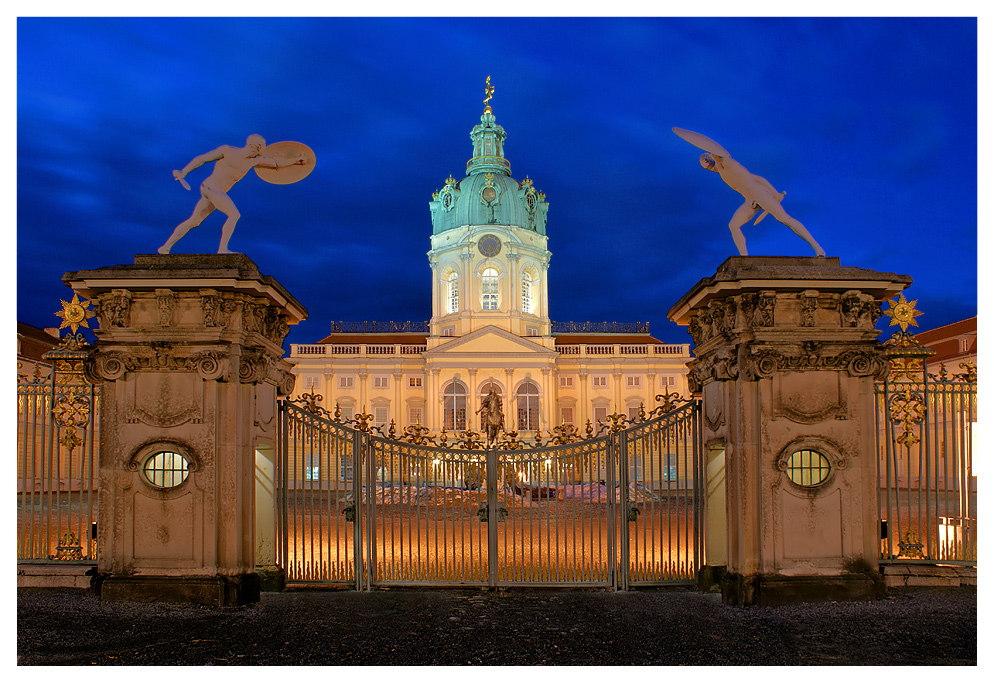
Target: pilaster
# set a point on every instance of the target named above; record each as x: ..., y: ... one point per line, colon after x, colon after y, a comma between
x: 585, y: 411
x: 434, y: 402
x: 397, y: 412
x: 472, y: 400
x: 548, y: 418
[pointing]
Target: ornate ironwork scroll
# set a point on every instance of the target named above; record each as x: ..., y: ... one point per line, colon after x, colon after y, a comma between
x: 57, y: 442
x: 927, y: 489
x: 470, y: 439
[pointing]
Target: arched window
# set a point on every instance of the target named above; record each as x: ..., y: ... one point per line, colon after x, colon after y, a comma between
x: 489, y: 288
x: 527, y: 399
x: 454, y: 406
x: 454, y: 292
x: 484, y: 392
x: 526, y: 293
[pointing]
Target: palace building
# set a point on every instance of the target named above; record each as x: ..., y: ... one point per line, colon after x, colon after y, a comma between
x: 490, y: 327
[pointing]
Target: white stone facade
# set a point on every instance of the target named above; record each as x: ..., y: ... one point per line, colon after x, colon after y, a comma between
x: 417, y: 380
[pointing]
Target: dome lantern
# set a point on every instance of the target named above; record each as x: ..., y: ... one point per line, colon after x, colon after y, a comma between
x: 488, y: 142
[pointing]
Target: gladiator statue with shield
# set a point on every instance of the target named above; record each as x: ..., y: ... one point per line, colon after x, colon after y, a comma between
x: 280, y: 163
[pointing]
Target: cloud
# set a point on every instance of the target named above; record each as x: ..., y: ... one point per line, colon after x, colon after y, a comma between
x: 869, y: 124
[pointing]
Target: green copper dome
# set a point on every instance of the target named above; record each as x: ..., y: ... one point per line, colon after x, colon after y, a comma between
x: 488, y: 195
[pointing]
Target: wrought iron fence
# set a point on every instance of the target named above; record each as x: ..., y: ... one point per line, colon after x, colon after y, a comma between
x: 373, y: 326
x: 422, y: 326
x: 57, y: 464
x: 364, y: 509
x: 927, y: 498
x: 568, y: 326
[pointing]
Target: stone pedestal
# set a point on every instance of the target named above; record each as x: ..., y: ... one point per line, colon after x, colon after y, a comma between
x: 786, y: 356
x: 189, y: 354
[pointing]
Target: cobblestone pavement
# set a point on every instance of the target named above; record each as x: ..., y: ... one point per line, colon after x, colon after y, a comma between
x: 516, y: 627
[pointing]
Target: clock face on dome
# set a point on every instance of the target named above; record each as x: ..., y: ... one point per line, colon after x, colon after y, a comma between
x: 489, y: 245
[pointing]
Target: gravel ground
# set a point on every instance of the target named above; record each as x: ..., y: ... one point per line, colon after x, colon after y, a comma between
x: 516, y: 627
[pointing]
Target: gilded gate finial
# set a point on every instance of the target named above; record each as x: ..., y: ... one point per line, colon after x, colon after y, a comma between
x: 905, y: 353
x: 902, y: 312
x: 75, y: 313
x: 489, y: 91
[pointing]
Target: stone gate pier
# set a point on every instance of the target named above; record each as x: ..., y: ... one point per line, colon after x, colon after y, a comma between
x: 189, y: 354
x: 786, y: 356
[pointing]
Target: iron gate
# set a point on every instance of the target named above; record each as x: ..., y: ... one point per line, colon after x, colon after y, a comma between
x: 363, y: 510
x: 927, y: 500
x: 57, y: 446
x: 927, y: 495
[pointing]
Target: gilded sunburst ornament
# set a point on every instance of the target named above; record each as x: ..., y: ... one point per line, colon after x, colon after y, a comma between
x: 75, y: 313
x: 902, y: 312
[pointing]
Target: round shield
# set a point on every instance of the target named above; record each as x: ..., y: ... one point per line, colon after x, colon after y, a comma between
x: 284, y: 175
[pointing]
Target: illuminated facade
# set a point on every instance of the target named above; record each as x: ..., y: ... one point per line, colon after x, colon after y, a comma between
x: 490, y: 327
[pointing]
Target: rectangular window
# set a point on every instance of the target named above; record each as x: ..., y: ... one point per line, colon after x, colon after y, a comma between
x: 346, y: 468
x: 599, y: 381
x: 566, y: 382
x: 600, y: 415
x: 567, y: 415
x: 637, y: 473
x: 416, y: 415
x: 348, y: 412
x: 312, y: 469
x: 453, y: 295
x: 414, y: 382
x: 381, y: 381
x: 310, y: 381
x: 380, y: 416
x: 454, y: 408
x: 454, y: 418
x: 669, y: 381
x: 527, y: 417
x: 449, y: 331
x: 633, y: 412
x: 633, y: 381
x: 669, y: 474
x: 531, y: 331
x: 490, y: 289
x: 346, y: 381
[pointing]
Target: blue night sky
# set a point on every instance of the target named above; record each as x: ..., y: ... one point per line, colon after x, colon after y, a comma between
x: 870, y: 125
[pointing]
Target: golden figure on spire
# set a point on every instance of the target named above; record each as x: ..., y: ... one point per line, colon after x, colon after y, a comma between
x: 489, y: 90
